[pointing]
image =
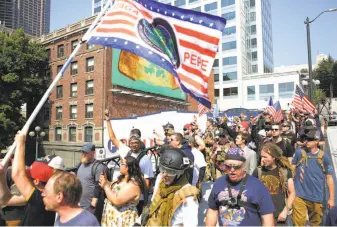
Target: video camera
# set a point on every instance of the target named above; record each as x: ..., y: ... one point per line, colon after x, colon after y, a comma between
x: 231, y: 203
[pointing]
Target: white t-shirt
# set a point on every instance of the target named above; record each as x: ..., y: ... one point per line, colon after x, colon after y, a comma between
x: 199, y: 162
x: 183, y: 215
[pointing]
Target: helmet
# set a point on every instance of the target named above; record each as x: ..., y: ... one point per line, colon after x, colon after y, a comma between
x: 168, y: 125
x: 173, y: 161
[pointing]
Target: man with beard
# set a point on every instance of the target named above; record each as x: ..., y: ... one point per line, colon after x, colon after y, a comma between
x: 284, y: 144
x: 238, y: 198
x: 287, y: 133
x: 188, y: 131
x: 89, y: 177
x: 174, y: 201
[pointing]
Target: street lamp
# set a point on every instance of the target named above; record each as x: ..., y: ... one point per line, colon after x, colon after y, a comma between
x: 307, y: 22
x: 39, y: 135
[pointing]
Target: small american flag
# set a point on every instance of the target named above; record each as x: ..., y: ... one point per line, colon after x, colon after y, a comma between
x: 302, y: 102
x: 270, y: 104
x: 276, y: 112
x: 202, y: 109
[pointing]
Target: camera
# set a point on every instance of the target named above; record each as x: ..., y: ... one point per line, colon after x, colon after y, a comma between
x: 231, y: 203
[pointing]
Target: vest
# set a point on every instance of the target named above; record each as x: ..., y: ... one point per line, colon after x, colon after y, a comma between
x: 178, y: 199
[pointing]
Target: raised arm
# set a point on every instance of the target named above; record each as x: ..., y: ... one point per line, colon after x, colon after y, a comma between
x: 111, y: 132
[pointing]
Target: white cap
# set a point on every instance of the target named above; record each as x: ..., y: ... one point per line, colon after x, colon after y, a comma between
x: 55, y: 162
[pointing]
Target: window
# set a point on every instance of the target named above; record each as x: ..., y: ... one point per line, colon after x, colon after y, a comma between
x: 252, y: 16
x: 59, y: 113
x: 225, y: 3
x: 253, y: 42
x: 73, y: 68
x: 48, y: 74
x: 216, y: 77
x: 59, y: 92
x: 251, y: 93
x: 253, y: 29
x: 229, y: 61
x: 58, y: 69
x: 286, y: 90
x: 230, y: 92
x: 89, y: 87
x: 229, y: 16
x: 254, y: 56
x: 230, y: 76
x: 179, y: 2
x: 216, y: 63
x: 266, y: 91
x: 211, y: 6
x: 72, y: 134
x: 216, y: 93
x: 229, y: 45
x: 198, y: 9
x: 89, y: 110
x: 191, y: 1
x: 48, y: 54
x: 73, y: 112
x: 97, y: 9
x: 90, y: 64
x: 58, y: 134
x: 90, y: 46
x: 74, y: 44
x: 254, y: 68
x: 60, y: 51
x: 252, y: 3
x: 73, y: 90
x: 229, y: 31
x: 88, y: 134
x: 46, y: 114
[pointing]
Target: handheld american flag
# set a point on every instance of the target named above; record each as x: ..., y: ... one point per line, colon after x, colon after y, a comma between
x: 202, y: 109
x: 276, y: 112
x: 302, y: 102
x: 183, y: 42
x: 270, y: 104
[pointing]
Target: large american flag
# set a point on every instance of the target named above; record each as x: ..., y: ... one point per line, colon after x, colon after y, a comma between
x: 302, y: 102
x: 276, y: 112
x: 202, y: 109
x: 138, y: 27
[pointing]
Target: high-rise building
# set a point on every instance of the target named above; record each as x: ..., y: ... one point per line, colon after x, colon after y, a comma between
x: 246, y: 47
x: 97, y: 5
x: 33, y: 16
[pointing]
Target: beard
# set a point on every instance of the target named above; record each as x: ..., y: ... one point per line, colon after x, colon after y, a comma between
x: 85, y: 160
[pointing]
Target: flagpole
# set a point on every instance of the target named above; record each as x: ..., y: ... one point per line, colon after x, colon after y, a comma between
x: 55, y: 81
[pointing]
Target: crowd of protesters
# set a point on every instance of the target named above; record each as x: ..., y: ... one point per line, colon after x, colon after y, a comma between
x: 264, y: 173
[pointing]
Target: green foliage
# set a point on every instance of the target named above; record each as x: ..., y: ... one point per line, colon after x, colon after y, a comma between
x: 319, y: 96
x: 326, y: 73
x: 22, y: 68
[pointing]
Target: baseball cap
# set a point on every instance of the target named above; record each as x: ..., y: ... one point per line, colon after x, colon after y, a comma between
x: 313, y: 134
x: 309, y: 124
x: 54, y: 161
x: 40, y: 171
x: 235, y: 153
x: 245, y: 125
x: 134, y: 137
x: 188, y: 126
x: 88, y: 147
x: 190, y: 139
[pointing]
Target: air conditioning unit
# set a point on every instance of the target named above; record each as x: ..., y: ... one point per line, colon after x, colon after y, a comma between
x: 100, y: 153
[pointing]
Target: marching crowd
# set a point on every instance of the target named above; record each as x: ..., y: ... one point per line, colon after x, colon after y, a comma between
x: 265, y: 173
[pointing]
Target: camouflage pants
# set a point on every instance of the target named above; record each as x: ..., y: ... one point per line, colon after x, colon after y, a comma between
x: 210, y: 169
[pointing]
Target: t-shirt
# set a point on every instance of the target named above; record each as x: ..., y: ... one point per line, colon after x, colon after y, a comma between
x: 290, y: 136
x: 255, y: 194
x: 271, y: 179
x: 89, y: 182
x: 199, y: 162
x: 287, y: 149
x: 85, y: 218
x: 251, y: 159
x: 35, y: 213
x: 313, y: 177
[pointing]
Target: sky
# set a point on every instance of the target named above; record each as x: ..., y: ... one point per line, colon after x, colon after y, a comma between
x: 289, y: 30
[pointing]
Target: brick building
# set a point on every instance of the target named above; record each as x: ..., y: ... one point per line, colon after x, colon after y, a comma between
x: 74, y: 112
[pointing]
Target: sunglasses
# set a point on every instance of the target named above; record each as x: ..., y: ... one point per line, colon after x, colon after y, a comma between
x: 275, y: 129
x: 185, y: 129
x: 235, y: 167
x: 285, y: 126
x: 310, y: 139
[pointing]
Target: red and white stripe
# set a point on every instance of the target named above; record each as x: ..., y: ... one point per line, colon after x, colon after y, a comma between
x: 202, y: 109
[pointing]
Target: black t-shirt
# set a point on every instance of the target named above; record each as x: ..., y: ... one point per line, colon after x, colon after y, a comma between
x: 35, y: 213
x: 271, y: 179
x: 287, y: 149
x: 290, y: 136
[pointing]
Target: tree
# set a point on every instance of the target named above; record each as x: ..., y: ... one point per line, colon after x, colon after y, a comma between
x: 326, y: 73
x: 319, y: 96
x: 22, y: 80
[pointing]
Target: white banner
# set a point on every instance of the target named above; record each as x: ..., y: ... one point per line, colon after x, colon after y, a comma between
x: 146, y: 124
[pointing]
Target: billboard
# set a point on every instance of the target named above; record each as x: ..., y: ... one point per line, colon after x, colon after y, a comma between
x: 134, y: 72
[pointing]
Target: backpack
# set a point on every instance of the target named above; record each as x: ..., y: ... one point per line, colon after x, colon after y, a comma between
x: 305, y: 157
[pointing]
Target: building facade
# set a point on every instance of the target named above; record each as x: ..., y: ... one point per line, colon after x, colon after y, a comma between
x: 33, y: 16
x: 74, y: 113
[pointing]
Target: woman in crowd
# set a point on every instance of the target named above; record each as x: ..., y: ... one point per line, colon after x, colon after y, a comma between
x: 120, y: 207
